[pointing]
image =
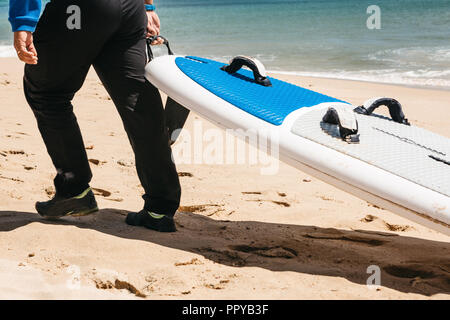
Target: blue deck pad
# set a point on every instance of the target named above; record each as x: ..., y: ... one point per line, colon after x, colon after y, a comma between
x: 271, y: 104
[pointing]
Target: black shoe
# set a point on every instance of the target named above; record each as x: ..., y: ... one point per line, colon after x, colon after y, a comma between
x: 58, y: 207
x: 151, y: 220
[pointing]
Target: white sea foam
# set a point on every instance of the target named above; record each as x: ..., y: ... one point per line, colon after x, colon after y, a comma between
x: 410, y: 78
x: 7, y: 51
x: 413, y: 56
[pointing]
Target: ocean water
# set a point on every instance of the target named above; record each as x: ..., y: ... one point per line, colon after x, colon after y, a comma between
x: 326, y: 38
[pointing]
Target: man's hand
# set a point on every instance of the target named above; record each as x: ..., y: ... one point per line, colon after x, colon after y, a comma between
x: 23, y: 43
x: 153, y: 26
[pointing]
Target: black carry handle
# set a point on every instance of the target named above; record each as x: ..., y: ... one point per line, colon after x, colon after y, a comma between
x: 238, y: 62
x: 395, y: 109
x: 175, y: 114
x: 348, y: 133
x: 149, y: 44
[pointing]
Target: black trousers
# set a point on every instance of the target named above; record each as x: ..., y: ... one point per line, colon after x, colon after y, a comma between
x: 110, y: 35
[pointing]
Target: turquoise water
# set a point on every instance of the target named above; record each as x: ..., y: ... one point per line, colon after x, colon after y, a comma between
x: 311, y: 37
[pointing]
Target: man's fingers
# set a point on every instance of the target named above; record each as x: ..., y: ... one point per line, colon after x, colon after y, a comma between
x: 151, y: 30
x: 23, y: 52
x: 32, y: 49
x: 157, y: 42
x: 25, y: 55
x: 28, y: 60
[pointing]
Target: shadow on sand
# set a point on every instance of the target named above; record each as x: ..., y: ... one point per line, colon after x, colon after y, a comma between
x: 407, y: 264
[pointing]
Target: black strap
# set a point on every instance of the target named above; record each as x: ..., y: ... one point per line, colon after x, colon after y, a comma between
x: 395, y: 109
x: 149, y: 46
x: 175, y: 114
x: 238, y: 62
x: 347, y: 133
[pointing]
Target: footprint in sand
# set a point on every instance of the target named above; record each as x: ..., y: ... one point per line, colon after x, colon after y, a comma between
x: 388, y: 226
x: 197, y: 208
x: 280, y: 203
x: 101, y: 192
x: 193, y: 261
x: 115, y: 199
x: 106, y: 194
x: 397, y: 227
x: 325, y: 198
x: 50, y: 191
x: 125, y: 163
x: 251, y: 192
x: 203, y: 208
x: 374, y: 206
x: 369, y: 218
x: 12, y: 179
x: 218, y: 286
x: 16, y: 152
x: 97, y: 162
x: 185, y: 174
x: 119, y: 285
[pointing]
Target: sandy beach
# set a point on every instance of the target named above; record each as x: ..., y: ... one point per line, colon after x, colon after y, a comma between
x: 241, y: 235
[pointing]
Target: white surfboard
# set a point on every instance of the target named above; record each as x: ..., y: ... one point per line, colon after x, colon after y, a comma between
x: 402, y: 168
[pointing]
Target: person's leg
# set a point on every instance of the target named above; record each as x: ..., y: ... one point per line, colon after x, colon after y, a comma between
x: 120, y: 67
x: 65, y: 56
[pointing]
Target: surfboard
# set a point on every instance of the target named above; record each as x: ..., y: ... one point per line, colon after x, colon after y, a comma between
x: 394, y: 165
